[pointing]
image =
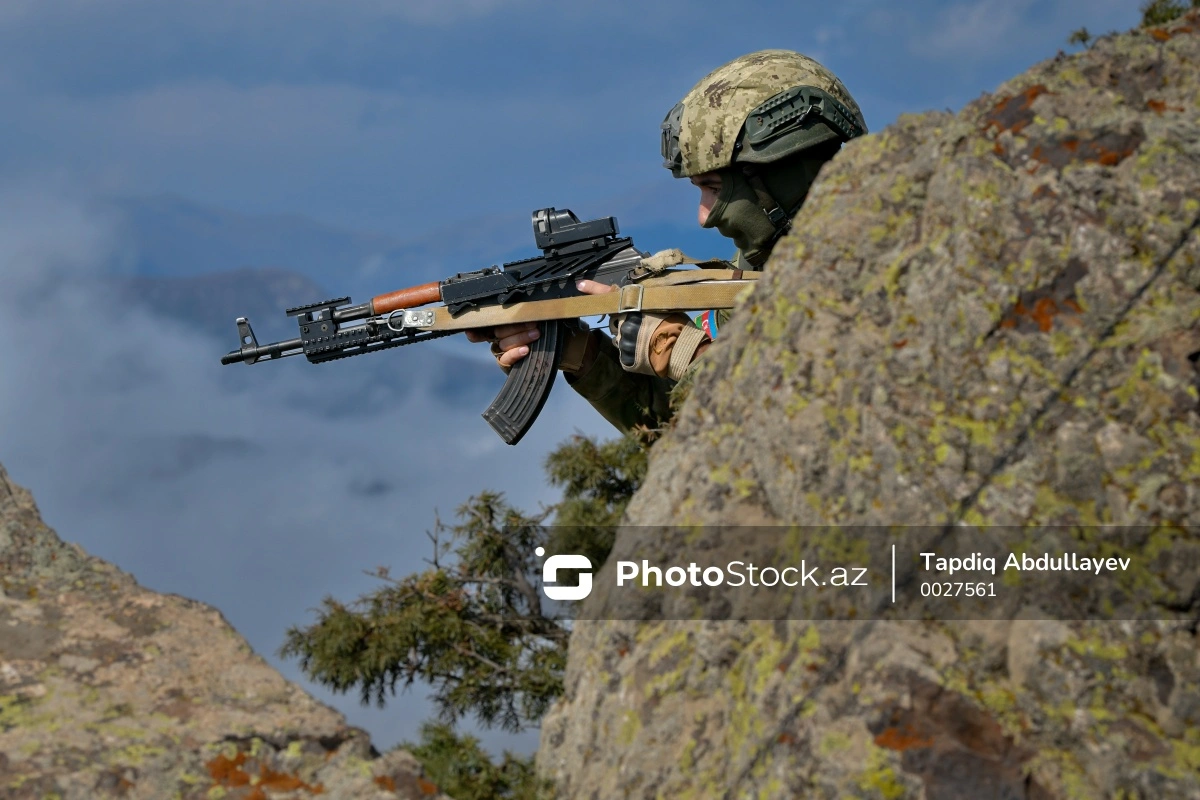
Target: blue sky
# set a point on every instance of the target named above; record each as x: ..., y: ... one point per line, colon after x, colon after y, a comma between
x: 385, y: 114
x: 367, y: 144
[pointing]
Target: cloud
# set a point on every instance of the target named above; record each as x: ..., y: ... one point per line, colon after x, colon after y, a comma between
x: 973, y: 30
x: 360, y: 157
x: 357, y: 114
x: 439, y: 12
x: 23, y: 14
x: 244, y: 487
x: 969, y: 33
x: 82, y: 48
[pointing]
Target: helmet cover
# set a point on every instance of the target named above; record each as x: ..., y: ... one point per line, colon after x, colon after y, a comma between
x: 757, y: 108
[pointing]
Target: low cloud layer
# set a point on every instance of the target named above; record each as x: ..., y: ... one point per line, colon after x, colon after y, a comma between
x: 239, y: 486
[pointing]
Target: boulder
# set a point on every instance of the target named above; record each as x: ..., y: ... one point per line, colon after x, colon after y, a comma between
x: 984, y: 321
x: 109, y: 690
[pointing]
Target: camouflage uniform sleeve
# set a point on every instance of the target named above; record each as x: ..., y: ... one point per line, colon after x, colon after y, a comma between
x: 626, y: 399
x: 712, y: 322
x: 630, y: 399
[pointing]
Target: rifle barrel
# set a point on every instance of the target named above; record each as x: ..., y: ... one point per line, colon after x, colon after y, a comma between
x: 266, y: 351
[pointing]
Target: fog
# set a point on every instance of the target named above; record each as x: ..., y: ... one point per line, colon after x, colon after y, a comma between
x: 256, y: 489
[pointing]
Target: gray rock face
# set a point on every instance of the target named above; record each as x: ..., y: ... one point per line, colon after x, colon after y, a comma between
x: 983, y: 319
x: 110, y: 690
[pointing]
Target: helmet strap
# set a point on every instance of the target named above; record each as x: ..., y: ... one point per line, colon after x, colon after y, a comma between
x: 792, y: 177
x: 780, y: 219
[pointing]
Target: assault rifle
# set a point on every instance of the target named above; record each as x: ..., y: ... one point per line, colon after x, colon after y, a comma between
x: 539, y: 289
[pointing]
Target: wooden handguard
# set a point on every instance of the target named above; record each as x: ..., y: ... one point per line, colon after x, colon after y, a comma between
x: 411, y: 297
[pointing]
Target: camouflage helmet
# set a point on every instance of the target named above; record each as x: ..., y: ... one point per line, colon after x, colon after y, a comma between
x: 757, y: 109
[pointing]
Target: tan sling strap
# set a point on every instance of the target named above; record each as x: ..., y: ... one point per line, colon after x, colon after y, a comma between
x: 671, y: 290
x: 663, y: 260
x: 689, y: 341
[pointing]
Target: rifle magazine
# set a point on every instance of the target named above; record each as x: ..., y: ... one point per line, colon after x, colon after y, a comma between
x: 529, y: 382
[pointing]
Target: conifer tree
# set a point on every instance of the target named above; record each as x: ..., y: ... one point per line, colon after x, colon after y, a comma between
x: 1160, y: 12
x: 473, y: 626
x: 462, y: 769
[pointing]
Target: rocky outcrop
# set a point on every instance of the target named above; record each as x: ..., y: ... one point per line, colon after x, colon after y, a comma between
x: 989, y: 318
x: 109, y: 690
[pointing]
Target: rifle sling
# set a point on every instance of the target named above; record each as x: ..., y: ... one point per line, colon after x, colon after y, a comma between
x: 681, y: 290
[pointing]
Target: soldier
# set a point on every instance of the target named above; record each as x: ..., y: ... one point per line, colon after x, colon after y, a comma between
x: 751, y: 135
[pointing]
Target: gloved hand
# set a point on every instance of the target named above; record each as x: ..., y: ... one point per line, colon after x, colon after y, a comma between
x: 657, y: 344
x: 654, y: 344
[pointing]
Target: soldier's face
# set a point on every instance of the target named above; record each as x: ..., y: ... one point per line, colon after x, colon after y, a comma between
x: 709, y: 185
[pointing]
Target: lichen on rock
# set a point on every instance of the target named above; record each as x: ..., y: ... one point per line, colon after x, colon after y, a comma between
x: 109, y: 690
x: 989, y: 318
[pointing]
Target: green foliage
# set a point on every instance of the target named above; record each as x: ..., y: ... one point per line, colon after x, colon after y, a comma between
x: 1160, y: 12
x: 1080, y: 37
x: 463, y: 770
x: 473, y: 626
x: 598, y: 481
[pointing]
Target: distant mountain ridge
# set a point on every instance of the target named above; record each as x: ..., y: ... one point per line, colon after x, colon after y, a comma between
x: 214, y: 300
x: 167, y: 236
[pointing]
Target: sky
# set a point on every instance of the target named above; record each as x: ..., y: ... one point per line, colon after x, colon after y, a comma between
x: 365, y: 144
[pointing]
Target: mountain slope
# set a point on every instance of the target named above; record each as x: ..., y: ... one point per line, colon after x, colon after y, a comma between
x: 111, y: 690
